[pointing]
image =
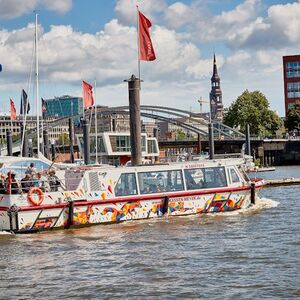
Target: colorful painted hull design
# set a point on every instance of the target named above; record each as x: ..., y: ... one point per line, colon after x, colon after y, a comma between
x: 89, y: 214
x: 107, y: 195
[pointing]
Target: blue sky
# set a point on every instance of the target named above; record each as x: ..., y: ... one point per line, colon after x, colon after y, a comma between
x: 96, y: 40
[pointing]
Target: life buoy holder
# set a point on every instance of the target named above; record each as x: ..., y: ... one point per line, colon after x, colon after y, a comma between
x: 39, y: 192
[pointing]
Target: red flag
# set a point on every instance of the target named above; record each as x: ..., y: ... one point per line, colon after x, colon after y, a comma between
x: 145, y: 44
x: 88, y: 99
x: 13, y: 112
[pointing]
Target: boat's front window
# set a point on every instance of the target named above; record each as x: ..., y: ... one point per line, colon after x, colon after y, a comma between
x: 205, y: 178
x: 234, y: 176
x: 160, y: 181
x: 126, y: 185
x: 243, y: 173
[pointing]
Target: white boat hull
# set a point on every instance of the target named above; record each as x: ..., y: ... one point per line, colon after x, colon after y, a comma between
x: 86, y: 213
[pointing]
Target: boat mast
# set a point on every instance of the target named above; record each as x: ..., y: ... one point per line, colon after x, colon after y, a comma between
x: 37, y: 84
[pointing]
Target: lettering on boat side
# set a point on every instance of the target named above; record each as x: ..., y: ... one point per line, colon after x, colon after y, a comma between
x: 185, y: 198
x: 194, y: 166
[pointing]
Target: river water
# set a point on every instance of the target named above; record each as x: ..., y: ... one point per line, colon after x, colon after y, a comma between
x: 248, y: 254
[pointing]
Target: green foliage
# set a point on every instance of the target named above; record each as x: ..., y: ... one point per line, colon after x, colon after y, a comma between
x: 293, y: 117
x: 180, y: 135
x: 63, y: 139
x: 257, y: 162
x: 16, y: 137
x: 253, y: 108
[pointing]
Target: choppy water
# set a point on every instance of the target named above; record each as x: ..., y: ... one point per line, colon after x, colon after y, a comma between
x: 250, y: 254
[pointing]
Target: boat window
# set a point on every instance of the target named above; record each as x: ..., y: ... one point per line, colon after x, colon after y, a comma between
x: 194, y: 178
x: 215, y: 177
x: 242, y: 171
x: 205, y: 178
x: 160, y: 181
x: 234, y: 175
x: 126, y: 185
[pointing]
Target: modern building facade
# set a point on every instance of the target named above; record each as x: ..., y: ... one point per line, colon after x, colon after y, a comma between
x: 150, y: 128
x: 15, y: 126
x: 291, y: 77
x: 115, y: 147
x: 64, y: 106
x: 215, y: 96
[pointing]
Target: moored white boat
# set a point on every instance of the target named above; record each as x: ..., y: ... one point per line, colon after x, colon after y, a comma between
x: 99, y: 195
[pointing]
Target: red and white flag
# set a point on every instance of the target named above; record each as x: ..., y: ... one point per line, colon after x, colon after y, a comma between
x: 87, y: 90
x: 13, y: 111
x: 145, y: 44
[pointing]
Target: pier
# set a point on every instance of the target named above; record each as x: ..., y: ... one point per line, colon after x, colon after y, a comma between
x: 284, y: 181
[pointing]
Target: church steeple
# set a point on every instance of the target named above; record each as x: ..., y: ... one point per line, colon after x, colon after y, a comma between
x: 216, y: 104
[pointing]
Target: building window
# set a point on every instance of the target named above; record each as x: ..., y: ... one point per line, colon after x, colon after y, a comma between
x: 152, y: 147
x: 290, y: 105
x: 293, y: 89
x: 293, y: 69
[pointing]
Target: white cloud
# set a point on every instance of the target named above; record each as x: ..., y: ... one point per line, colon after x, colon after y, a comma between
x: 280, y: 28
x: 61, y: 6
x: 253, y: 44
x: 240, y: 14
x: 110, y: 55
x: 127, y: 12
x: 15, y: 8
x: 178, y: 14
x: 286, y: 18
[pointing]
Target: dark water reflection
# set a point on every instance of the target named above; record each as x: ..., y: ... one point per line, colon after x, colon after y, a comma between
x: 246, y: 255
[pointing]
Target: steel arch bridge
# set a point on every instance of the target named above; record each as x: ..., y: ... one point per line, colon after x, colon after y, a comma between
x: 182, y: 118
x: 177, y: 117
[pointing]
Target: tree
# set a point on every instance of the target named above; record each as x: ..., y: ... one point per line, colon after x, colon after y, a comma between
x: 180, y: 135
x: 63, y: 139
x: 293, y: 117
x: 253, y: 108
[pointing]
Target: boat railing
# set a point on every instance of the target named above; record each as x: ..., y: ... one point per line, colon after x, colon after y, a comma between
x: 193, y: 157
x: 22, y: 186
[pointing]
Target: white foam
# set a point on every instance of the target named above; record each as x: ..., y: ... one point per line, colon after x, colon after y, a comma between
x: 5, y: 233
x: 266, y: 203
x: 261, y: 203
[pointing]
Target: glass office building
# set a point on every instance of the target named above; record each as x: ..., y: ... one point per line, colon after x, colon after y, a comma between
x: 291, y: 75
x: 64, y: 106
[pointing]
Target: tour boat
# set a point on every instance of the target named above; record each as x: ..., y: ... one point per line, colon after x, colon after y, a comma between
x: 90, y: 195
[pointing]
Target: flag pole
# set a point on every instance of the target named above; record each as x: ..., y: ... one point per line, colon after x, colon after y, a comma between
x: 23, y: 121
x: 83, y: 115
x: 11, y: 122
x: 42, y: 129
x: 138, y: 44
x: 96, y: 125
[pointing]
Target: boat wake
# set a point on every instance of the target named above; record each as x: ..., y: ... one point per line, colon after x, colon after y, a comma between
x: 265, y: 203
x: 5, y: 233
x: 261, y: 204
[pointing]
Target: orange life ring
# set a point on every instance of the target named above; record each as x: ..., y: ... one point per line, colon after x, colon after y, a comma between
x: 39, y: 192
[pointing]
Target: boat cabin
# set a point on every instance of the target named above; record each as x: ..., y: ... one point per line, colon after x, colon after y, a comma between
x: 111, y: 182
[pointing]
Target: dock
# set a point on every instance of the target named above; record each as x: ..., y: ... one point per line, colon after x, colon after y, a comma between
x: 284, y: 181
